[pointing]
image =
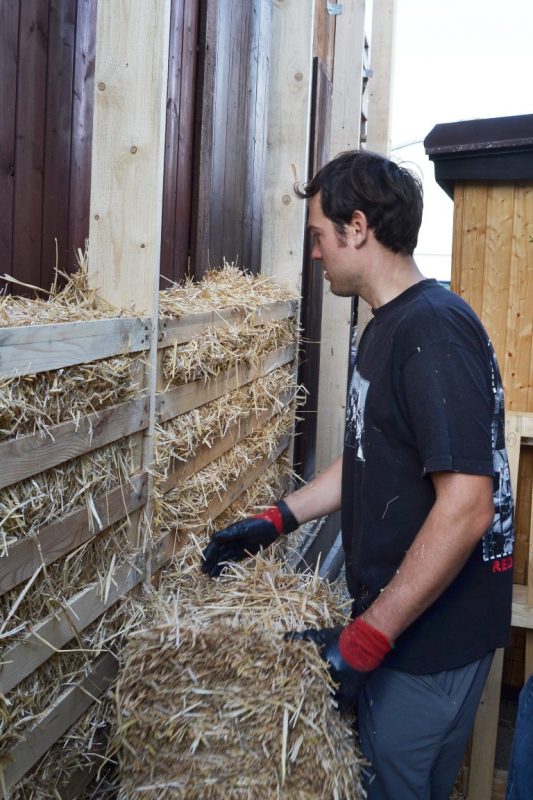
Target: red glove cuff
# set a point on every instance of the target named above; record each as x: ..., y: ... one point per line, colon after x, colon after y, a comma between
x: 273, y: 515
x: 362, y: 646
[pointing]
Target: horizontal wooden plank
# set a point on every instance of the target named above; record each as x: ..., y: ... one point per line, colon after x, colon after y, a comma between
x: 30, y: 349
x: 208, y: 453
x: 23, y: 657
x: 20, y: 458
x: 60, y: 537
x: 57, y: 720
x: 522, y: 612
x: 185, y: 328
x: 192, y: 395
x: 168, y: 545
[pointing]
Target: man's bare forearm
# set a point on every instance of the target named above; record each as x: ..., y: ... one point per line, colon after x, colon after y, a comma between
x: 460, y: 516
x: 319, y: 497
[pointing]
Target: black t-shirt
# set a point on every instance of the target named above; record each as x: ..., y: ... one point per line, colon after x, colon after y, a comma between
x: 425, y: 396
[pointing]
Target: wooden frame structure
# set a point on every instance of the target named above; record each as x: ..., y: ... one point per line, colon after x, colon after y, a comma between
x: 65, y: 345
x: 125, y: 233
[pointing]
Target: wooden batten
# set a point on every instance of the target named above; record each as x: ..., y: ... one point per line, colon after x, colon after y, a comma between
x: 58, y: 719
x: 61, y: 537
x: 210, y: 452
x: 26, y: 350
x: 192, y: 395
x: 167, y: 546
x: 28, y: 455
x: 23, y: 657
x: 182, y: 330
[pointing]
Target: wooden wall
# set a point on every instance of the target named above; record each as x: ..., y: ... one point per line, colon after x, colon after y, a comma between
x: 492, y: 268
x: 46, y: 109
x: 176, y: 231
x: 215, y: 134
x: 46, y: 82
x: 233, y: 109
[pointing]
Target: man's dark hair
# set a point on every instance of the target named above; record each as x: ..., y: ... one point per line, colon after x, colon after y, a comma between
x: 389, y: 195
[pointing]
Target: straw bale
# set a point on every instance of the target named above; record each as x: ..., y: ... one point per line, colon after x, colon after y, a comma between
x: 27, y: 505
x: 24, y: 705
x: 262, y: 493
x: 213, y: 703
x: 73, y: 302
x: 183, y: 505
x: 179, y: 438
x: 52, y: 586
x: 218, y: 349
x: 30, y: 404
x: 227, y: 288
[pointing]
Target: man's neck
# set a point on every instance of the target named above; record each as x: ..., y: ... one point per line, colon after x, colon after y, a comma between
x: 390, y: 275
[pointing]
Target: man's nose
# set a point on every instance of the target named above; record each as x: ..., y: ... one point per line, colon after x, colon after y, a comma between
x: 315, y: 253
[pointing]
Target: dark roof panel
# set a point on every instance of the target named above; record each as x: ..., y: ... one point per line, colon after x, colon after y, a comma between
x: 497, y: 149
x: 480, y: 134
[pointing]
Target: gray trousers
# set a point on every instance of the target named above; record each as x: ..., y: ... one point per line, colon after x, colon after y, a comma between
x: 414, y: 729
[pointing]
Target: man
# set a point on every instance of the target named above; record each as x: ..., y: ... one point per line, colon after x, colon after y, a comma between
x: 423, y: 487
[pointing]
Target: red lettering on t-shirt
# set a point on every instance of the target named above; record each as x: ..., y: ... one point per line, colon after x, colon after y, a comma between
x: 502, y: 564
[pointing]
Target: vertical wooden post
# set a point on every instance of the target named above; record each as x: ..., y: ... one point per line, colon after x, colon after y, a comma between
x: 380, y: 84
x: 287, y: 139
x: 336, y: 311
x: 132, y: 40
x: 379, y: 100
x: 132, y: 48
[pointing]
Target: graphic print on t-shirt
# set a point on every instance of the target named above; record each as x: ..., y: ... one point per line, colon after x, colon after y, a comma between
x: 499, y: 539
x: 355, y: 416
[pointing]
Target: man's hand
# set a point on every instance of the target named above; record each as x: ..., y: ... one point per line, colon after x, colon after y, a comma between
x: 247, y: 537
x: 352, y: 654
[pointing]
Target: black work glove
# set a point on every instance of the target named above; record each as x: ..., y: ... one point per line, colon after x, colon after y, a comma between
x: 350, y: 681
x: 247, y: 537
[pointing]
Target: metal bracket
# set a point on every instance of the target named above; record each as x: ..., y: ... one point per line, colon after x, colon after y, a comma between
x: 334, y: 8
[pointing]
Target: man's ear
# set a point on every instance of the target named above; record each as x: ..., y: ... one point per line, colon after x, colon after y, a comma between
x: 358, y: 228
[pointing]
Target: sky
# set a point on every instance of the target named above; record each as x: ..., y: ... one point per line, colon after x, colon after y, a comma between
x: 454, y: 60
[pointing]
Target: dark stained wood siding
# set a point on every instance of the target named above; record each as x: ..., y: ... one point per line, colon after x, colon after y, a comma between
x: 179, y: 142
x: 9, y: 17
x: 46, y: 87
x: 215, y: 140
x: 47, y: 52
x: 232, y: 134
